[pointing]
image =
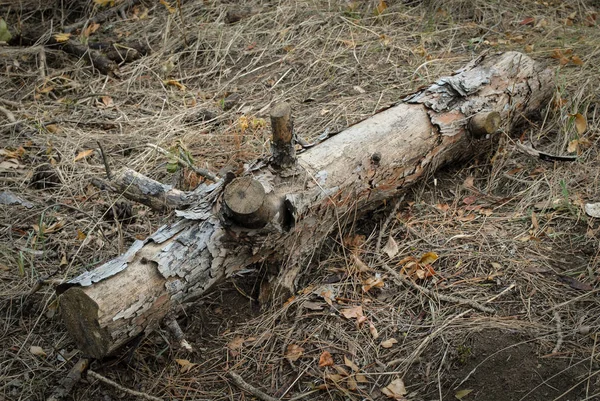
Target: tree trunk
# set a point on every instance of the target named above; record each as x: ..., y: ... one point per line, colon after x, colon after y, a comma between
x: 283, y: 214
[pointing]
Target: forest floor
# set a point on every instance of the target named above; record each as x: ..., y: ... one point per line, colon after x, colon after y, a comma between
x: 508, y: 230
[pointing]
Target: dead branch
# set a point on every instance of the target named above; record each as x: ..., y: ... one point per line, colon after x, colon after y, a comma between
x: 270, y: 215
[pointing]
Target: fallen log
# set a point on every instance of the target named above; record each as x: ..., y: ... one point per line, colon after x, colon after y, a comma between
x: 281, y: 209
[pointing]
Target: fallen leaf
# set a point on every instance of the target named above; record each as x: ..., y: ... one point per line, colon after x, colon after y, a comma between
x: 351, y: 364
x: 373, y: 331
x: 352, y: 384
x: 580, y: 123
x: 185, y: 365
x: 325, y: 359
x: 83, y: 154
x: 315, y: 306
x: 168, y: 6
x: 175, y: 83
x: 573, y: 146
x: 395, y: 390
x: 574, y: 283
x: 53, y: 128
x: 5, y: 34
x: 428, y: 258
x: 236, y: 343
x: 354, y: 312
x: 389, y: 343
x: 391, y: 247
x: 381, y: 6
x: 37, y: 351
x: 81, y: 235
x: 107, y: 101
x: 527, y: 21
x: 460, y: 394
x: 294, y: 352
x: 576, y: 60
x: 62, y: 37
x: 91, y: 28
x: 372, y: 282
x: 361, y: 378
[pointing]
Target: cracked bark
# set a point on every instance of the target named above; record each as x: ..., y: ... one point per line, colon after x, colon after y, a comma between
x: 354, y: 171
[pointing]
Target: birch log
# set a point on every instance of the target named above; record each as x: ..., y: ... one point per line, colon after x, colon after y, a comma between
x: 353, y: 171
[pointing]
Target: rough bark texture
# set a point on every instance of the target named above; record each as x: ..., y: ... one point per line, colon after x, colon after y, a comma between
x: 351, y: 172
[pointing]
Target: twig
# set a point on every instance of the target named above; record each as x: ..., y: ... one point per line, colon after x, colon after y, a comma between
x: 528, y: 149
x: 129, y: 391
x: 510, y: 287
x: 8, y: 114
x: 10, y: 103
x: 200, y: 171
x: 386, y: 223
x: 42, y: 61
x: 69, y: 381
x: 238, y: 381
x: 432, y: 294
x: 106, y: 166
x: 176, y: 331
x: 559, y: 333
x: 101, y: 17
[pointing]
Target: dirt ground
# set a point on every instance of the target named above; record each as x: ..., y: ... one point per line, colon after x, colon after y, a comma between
x: 510, y: 231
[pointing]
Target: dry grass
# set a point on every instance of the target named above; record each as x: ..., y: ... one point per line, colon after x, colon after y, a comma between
x: 336, y: 62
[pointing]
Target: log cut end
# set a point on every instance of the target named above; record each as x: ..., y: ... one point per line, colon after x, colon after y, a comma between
x: 80, y: 315
x: 245, y: 201
x: 484, y: 124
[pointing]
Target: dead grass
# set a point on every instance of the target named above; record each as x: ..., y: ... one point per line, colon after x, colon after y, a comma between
x: 502, y: 221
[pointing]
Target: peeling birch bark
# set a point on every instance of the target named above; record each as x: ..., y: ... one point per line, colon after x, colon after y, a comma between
x: 353, y: 171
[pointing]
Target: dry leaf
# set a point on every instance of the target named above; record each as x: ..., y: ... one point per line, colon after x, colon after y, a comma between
x: 389, y: 343
x: 62, y: 37
x: 395, y: 390
x: 103, y: 3
x: 361, y: 378
x: 37, y: 351
x: 372, y: 282
x: 294, y: 352
x: 373, y: 331
x: 236, y: 343
x: 391, y: 247
x: 91, y: 28
x: 580, y: 123
x: 576, y: 60
x: 351, y: 364
x: 351, y: 382
x: 573, y: 146
x: 381, y: 6
x: 326, y: 359
x: 53, y: 128
x: 574, y: 283
x: 83, y: 154
x: 168, y: 6
x: 527, y: 21
x: 185, y: 365
x: 175, y: 83
x: 327, y: 293
x: 354, y: 312
x: 107, y: 101
x: 460, y: 394
x: 81, y: 235
x: 428, y: 258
